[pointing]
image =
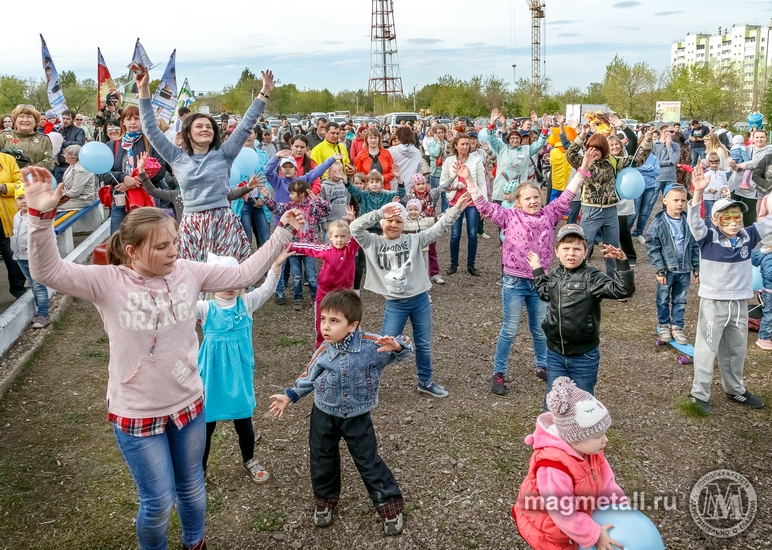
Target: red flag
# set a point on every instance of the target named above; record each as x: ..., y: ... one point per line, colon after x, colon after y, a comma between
x: 105, y: 85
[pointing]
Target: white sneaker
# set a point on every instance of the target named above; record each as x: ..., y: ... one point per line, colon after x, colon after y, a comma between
x: 437, y: 279
x: 485, y: 236
x: 641, y: 239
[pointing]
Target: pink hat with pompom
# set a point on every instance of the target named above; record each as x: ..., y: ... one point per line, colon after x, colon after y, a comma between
x: 578, y: 416
x: 417, y: 178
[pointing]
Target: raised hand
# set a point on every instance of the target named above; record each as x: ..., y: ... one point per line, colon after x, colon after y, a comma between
x: 279, y: 403
x: 494, y: 115
x: 141, y: 159
x: 395, y: 171
x: 311, y: 195
x: 350, y: 213
x: 268, y: 82
x: 388, y: 344
x: 590, y: 156
x: 699, y: 181
x: 143, y: 84
x: 284, y: 153
x: 534, y: 117
x: 559, y: 119
x: 533, y: 260
x: 611, y: 252
x: 336, y: 156
x: 37, y: 189
x: 545, y: 121
x: 615, y: 120
x: 585, y: 130
x: 294, y: 218
x: 391, y: 210
x: 462, y: 170
x: 464, y: 201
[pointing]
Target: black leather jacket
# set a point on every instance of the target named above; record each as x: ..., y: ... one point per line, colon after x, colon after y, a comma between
x: 572, y: 323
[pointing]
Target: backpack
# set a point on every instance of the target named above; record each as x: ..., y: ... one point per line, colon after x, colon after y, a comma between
x: 723, y: 137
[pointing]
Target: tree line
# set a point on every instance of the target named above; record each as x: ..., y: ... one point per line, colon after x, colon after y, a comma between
x: 706, y: 93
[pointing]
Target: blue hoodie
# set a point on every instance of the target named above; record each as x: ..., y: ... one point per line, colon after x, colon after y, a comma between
x: 650, y: 170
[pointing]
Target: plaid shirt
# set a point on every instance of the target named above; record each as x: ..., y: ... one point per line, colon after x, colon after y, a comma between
x: 145, y: 427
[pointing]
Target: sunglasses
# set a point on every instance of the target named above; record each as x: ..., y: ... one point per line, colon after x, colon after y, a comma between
x: 729, y: 218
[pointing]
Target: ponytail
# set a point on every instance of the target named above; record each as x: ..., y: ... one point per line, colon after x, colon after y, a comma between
x: 115, y: 253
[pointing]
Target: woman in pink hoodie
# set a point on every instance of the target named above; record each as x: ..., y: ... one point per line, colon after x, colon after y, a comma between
x: 147, y: 300
x: 568, y: 476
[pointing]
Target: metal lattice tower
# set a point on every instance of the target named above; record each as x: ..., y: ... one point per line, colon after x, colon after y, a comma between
x: 537, y: 8
x: 384, y: 63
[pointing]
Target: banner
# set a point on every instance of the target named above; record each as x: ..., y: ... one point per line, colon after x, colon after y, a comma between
x: 184, y: 99
x: 55, y: 95
x: 106, y: 89
x: 165, y: 97
x: 668, y: 111
x: 138, y: 60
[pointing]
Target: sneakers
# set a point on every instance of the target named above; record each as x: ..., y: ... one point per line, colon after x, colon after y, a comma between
x: 703, y: 406
x: 664, y: 333
x: 256, y: 471
x: 280, y: 299
x: 393, y: 526
x: 322, y: 516
x: 747, y: 399
x: 484, y: 236
x: 438, y: 279
x: 433, y: 389
x: 497, y: 384
x: 640, y: 239
x: 678, y: 335
x: 38, y: 321
x: 298, y: 305
x: 764, y: 344
x: 541, y: 372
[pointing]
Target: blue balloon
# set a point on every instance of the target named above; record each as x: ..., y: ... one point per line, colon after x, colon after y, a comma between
x: 236, y: 177
x: 758, y: 284
x: 247, y: 160
x: 482, y: 135
x: 630, y: 184
x: 631, y: 528
x: 96, y: 157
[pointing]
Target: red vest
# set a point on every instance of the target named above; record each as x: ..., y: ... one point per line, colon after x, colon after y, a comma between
x: 533, y: 522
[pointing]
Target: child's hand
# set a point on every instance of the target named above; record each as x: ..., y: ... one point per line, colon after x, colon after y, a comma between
x: 284, y: 153
x: 262, y: 188
x: 462, y: 170
x: 37, y: 189
x: 285, y: 253
x: 350, y: 213
x: 395, y: 171
x: 611, y: 252
x: 605, y: 542
x: 294, y: 218
x: 337, y: 156
x: 255, y: 182
x: 311, y: 195
x: 391, y: 210
x: 464, y: 201
x: 533, y: 260
x: 591, y: 155
x: 141, y: 159
x: 279, y: 404
x: 388, y: 343
x: 699, y: 182
x: 395, y: 199
x: 350, y: 170
x: 661, y: 280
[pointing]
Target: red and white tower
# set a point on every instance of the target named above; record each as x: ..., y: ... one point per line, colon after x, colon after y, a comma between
x: 384, y: 63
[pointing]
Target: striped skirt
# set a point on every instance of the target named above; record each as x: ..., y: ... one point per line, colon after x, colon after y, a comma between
x: 218, y: 231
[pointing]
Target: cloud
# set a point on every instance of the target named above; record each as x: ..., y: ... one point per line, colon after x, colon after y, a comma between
x: 474, y: 45
x: 563, y: 22
x: 664, y: 13
x: 625, y: 5
x: 420, y: 41
x: 332, y: 42
x: 567, y: 34
x: 629, y: 28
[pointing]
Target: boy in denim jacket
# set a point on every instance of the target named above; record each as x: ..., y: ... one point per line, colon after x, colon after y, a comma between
x: 674, y: 254
x: 344, y: 374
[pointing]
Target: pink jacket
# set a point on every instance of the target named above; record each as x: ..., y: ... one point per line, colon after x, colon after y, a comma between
x: 132, y: 307
x: 523, y: 232
x: 548, y: 476
x: 338, y: 268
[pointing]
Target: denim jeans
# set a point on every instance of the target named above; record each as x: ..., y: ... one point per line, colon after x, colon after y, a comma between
x: 582, y: 369
x: 708, y: 212
x: 255, y: 223
x: 164, y: 467
x: 601, y: 221
x: 39, y: 291
x: 697, y: 154
x: 765, y: 330
x: 673, y: 291
x: 419, y: 310
x: 643, y: 207
x: 573, y: 213
x: 299, y: 264
x: 472, y: 217
x: 434, y: 182
x: 117, y: 215
x: 516, y: 292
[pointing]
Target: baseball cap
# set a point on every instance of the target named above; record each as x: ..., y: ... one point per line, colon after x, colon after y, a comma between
x: 570, y: 229
x: 723, y: 204
x: 677, y: 186
x: 289, y: 160
x: 472, y: 134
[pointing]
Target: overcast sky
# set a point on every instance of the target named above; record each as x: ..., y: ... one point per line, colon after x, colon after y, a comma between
x: 317, y: 44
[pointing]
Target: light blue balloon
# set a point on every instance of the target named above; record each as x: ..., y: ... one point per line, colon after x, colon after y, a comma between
x: 262, y: 160
x: 236, y: 177
x: 54, y: 182
x: 482, y: 135
x: 630, y: 184
x: 758, y: 284
x: 96, y: 157
x: 631, y: 528
x: 247, y: 160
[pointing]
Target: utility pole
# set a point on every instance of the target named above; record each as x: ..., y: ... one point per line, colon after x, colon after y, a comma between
x: 514, y: 76
x: 414, y: 87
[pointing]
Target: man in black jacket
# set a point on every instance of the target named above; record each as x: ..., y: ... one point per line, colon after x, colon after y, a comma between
x: 574, y: 291
x: 71, y: 135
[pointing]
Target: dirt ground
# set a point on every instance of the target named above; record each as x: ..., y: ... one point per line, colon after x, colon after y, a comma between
x: 459, y: 461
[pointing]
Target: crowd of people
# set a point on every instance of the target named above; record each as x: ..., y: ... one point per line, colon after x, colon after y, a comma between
x: 336, y: 204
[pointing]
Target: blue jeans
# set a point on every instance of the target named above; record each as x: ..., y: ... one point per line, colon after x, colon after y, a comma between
x: 166, y: 467
x: 643, y: 206
x: 708, y: 212
x: 434, y: 183
x: 603, y: 221
x: 117, y: 215
x: 419, y: 310
x: 582, y: 369
x: 299, y: 264
x: 472, y: 217
x: 673, y: 291
x: 516, y: 292
x: 573, y: 213
x: 39, y: 291
x: 765, y: 330
x: 255, y: 223
x: 697, y: 154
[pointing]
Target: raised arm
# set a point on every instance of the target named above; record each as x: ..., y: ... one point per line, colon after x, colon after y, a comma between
x: 360, y: 226
x: 239, y: 136
x: 168, y: 151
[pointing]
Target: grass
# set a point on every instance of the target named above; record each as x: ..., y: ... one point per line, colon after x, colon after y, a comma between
x: 745, y: 434
x: 290, y: 341
x: 268, y: 521
x: 692, y: 410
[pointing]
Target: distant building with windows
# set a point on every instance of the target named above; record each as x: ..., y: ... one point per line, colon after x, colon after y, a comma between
x: 746, y: 45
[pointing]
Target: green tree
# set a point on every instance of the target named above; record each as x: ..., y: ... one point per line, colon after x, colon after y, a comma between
x: 13, y: 91
x: 630, y: 89
x: 766, y: 102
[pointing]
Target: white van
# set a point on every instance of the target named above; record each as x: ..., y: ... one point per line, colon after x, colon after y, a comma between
x: 394, y: 119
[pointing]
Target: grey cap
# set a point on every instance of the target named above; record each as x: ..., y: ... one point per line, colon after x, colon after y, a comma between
x: 723, y: 204
x: 569, y: 229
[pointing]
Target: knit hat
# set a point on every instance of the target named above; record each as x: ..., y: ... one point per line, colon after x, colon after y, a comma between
x: 403, y: 211
x: 511, y: 185
x: 226, y: 261
x: 19, y: 191
x: 578, y: 416
x: 414, y: 202
x: 417, y: 178
x: 738, y: 140
x: 289, y: 160
x: 50, y: 114
x: 233, y: 122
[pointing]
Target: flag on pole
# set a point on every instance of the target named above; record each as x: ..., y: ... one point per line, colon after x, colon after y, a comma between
x: 55, y: 95
x: 106, y: 89
x: 184, y: 99
x: 138, y: 60
x: 165, y: 97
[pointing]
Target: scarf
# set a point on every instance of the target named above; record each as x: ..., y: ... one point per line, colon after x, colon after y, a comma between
x: 127, y: 143
x: 344, y: 344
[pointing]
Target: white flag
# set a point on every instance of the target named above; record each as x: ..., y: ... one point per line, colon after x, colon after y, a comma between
x: 165, y: 97
x: 55, y: 95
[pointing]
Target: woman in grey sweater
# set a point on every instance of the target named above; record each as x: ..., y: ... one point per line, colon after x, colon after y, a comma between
x: 202, y: 168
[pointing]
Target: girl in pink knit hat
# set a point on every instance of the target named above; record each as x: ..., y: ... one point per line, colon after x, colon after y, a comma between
x: 568, y: 476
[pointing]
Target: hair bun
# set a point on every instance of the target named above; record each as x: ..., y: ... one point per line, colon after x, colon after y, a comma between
x: 558, y: 400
